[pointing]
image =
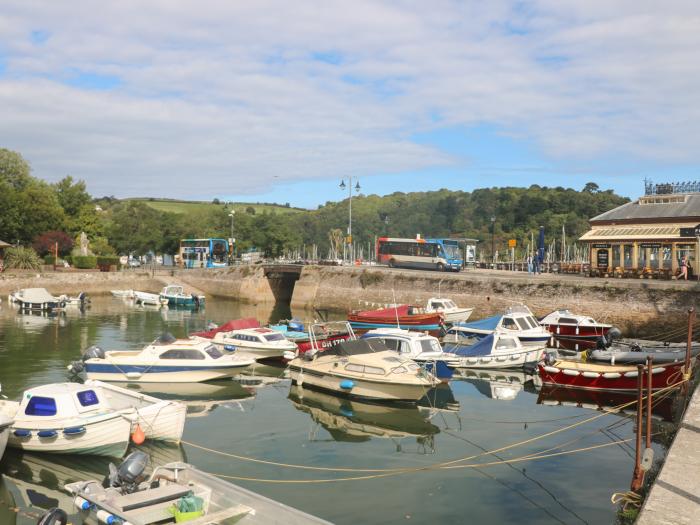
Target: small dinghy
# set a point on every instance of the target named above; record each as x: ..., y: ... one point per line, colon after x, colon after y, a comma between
x: 124, y: 294
x: 403, y: 316
x: 636, y: 352
x: 149, y: 299
x: 175, y: 493
x: 81, y: 300
x: 92, y: 418
x: 497, y: 350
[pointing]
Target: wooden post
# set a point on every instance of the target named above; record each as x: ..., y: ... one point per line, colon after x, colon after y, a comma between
x: 650, y: 365
x: 55, y: 256
x: 638, y: 475
x: 691, y: 322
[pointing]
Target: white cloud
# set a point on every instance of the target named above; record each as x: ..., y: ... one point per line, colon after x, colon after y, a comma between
x: 219, y: 97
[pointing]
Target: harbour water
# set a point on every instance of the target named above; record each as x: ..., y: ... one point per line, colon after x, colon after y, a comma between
x: 480, y: 417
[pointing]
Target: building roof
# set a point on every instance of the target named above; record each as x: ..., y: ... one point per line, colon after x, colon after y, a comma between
x: 672, y: 206
x: 612, y: 233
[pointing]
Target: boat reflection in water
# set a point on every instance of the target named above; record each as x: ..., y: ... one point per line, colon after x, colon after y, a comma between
x: 200, y: 398
x: 33, y: 483
x: 502, y: 385
x: 358, y: 421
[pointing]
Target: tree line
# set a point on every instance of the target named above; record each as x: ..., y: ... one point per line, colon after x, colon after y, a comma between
x: 33, y: 212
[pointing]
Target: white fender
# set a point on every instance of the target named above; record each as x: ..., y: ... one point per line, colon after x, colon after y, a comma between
x: 612, y: 375
x: 569, y: 372
x: 552, y: 369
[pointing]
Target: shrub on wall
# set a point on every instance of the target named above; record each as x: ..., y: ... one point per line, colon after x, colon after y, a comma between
x: 22, y: 258
x: 85, y: 262
x: 107, y: 261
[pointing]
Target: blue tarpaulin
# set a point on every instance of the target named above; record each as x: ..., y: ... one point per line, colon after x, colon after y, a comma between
x: 490, y: 323
x: 481, y: 348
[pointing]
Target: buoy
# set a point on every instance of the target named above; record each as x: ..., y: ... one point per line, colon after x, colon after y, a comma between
x: 347, y: 384
x: 105, y: 517
x: 138, y: 436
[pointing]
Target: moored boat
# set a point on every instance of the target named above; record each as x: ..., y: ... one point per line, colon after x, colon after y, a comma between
x: 177, y: 492
x: 167, y: 360
x: 149, y: 299
x: 496, y: 350
x: 124, y: 294
x: 403, y: 316
x: 563, y: 323
x: 36, y: 299
x: 451, y: 313
x: 363, y: 368
x: 517, y: 320
x: 636, y: 351
x: 259, y: 343
x: 597, y: 376
x: 176, y: 296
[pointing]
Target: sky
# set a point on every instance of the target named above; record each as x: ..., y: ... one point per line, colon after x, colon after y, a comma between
x: 278, y: 101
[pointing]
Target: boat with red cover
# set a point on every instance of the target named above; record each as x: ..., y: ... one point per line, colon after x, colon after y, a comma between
x: 563, y: 323
x: 407, y: 317
x: 596, y: 376
x: 234, y: 324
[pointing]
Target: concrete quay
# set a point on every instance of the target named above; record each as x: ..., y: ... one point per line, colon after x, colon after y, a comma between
x: 674, y: 498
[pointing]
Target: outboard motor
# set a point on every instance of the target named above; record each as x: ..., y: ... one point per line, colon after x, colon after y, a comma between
x: 614, y: 334
x: 91, y: 352
x: 550, y: 358
x: 53, y: 516
x: 130, y: 473
x: 195, y: 299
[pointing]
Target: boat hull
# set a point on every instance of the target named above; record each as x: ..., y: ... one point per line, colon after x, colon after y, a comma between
x: 577, y: 332
x: 322, y: 344
x: 142, y: 373
x: 502, y: 360
x: 460, y: 315
x: 620, y: 379
x: 4, y: 436
x: 362, y: 389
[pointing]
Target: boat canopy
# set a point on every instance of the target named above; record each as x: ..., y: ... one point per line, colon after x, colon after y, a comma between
x: 37, y: 296
x: 356, y: 347
x: 490, y: 323
x: 235, y: 324
x: 480, y: 348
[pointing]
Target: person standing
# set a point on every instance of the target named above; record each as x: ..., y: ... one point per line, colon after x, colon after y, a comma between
x: 529, y: 264
x: 684, y: 268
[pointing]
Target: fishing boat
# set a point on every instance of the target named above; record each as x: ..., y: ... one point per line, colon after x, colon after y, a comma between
x: 259, y: 343
x: 422, y: 348
x: 496, y: 350
x: 451, y: 313
x: 5, y: 423
x: 597, y: 376
x: 176, y: 296
x: 563, y: 323
x: 177, y: 492
x: 403, y: 316
x: 91, y: 418
x: 149, y: 299
x: 636, y: 351
x: 166, y: 360
x: 363, y: 368
x: 36, y: 299
x: 517, y: 320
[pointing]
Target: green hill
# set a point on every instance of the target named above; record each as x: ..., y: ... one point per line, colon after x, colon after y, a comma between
x: 182, y: 206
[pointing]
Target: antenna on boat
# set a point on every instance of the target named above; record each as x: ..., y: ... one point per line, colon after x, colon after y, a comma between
x: 396, y: 308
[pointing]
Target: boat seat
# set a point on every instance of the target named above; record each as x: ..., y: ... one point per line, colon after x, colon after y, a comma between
x: 146, y: 498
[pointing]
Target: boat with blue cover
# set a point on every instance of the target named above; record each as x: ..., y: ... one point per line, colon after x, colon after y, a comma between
x: 517, y: 320
x: 176, y: 296
x: 496, y: 350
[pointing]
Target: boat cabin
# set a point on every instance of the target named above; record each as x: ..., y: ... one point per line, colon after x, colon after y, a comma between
x: 170, y: 348
x: 61, y: 401
x: 440, y: 305
x: 405, y: 342
x: 255, y: 335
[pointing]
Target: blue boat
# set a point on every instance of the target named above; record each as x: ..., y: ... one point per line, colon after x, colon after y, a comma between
x: 176, y: 296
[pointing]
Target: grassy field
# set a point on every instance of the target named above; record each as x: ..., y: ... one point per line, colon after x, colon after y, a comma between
x: 176, y: 206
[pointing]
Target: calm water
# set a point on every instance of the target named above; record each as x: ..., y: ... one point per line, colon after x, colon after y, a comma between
x: 278, y: 422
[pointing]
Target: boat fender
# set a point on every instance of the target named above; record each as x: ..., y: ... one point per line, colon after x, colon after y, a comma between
x: 105, y: 517
x: 74, y: 431
x: 612, y: 375
x: 47, y: 433
x: 138, y: 436
x: 631, y: 374
x: 22, y: 433
x: 552, y: 369
x: 81, y: 503
x: 591, y: 375
x: 230, y: 348
x: 657, y: 370
x: 347, y: 384
x: 568, y: 372
x: 54, y: 516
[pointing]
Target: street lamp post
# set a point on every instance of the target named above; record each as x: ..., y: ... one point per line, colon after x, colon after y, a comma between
x: 493, y: 233
x: 351, y: 255
x: 233, y: 241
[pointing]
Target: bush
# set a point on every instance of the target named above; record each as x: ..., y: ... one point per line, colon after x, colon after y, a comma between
x: 108, y: 261
x: 85, y: 262
x: 22, y: 258
x: 46, y: 243
x: 49, y: 259
x: 68, y: 259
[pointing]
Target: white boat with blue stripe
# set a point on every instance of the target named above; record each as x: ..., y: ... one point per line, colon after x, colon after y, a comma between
x: 496, y: 350
x: 517, y: 320
x: 166, y: 360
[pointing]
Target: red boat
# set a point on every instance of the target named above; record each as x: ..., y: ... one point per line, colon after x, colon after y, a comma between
x: 616, y: 378
x: 235, y: 324
x: 564, y: 324
x: 403, y: 316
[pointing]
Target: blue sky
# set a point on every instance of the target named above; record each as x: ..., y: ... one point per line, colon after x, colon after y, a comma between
x: 269, y: 101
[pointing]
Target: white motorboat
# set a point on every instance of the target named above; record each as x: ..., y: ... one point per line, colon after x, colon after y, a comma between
x: 563, y: 323
x: 79, y: 300
x: 5, y: 424
x: 260, y: 343
x: 35, y: 299
x: 92, y: 418
x: 166, y: 360
x: 149, y: 299
x: 177, y: 492
x: 451, y: 313
x: 497, y: 350
x: 517, y: 320
x: 363, y: 368
x: 176, y: 296
x: 124, y: 294
x: 419, y: 346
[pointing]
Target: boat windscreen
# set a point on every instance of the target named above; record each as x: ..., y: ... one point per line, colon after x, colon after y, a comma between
x: 357, y: 347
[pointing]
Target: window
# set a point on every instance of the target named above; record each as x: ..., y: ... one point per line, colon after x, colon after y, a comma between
x: 351, y: 367
x: 275, y: 337
x: 627, y: 252
x: 392, y: 344
x: 616, y: 256
x: 567, y: 320
x: 213, y: 352
x: 374, y: 370
x: 88, y: 398
x: 182, y: 354
x: 523, y: 324
x: 436, y: 306
x: 41, y: 406
x: 509, y: 323
x: 399, y: 370
x: 506, y: 343
x: 430, y: 345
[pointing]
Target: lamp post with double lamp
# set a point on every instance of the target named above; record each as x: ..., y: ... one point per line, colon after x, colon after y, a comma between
x: 348, y: 240
x: 232, y: 240
x: 493, y: 232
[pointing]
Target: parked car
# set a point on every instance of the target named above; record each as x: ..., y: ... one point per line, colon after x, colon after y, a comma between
x: 133, y: 263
